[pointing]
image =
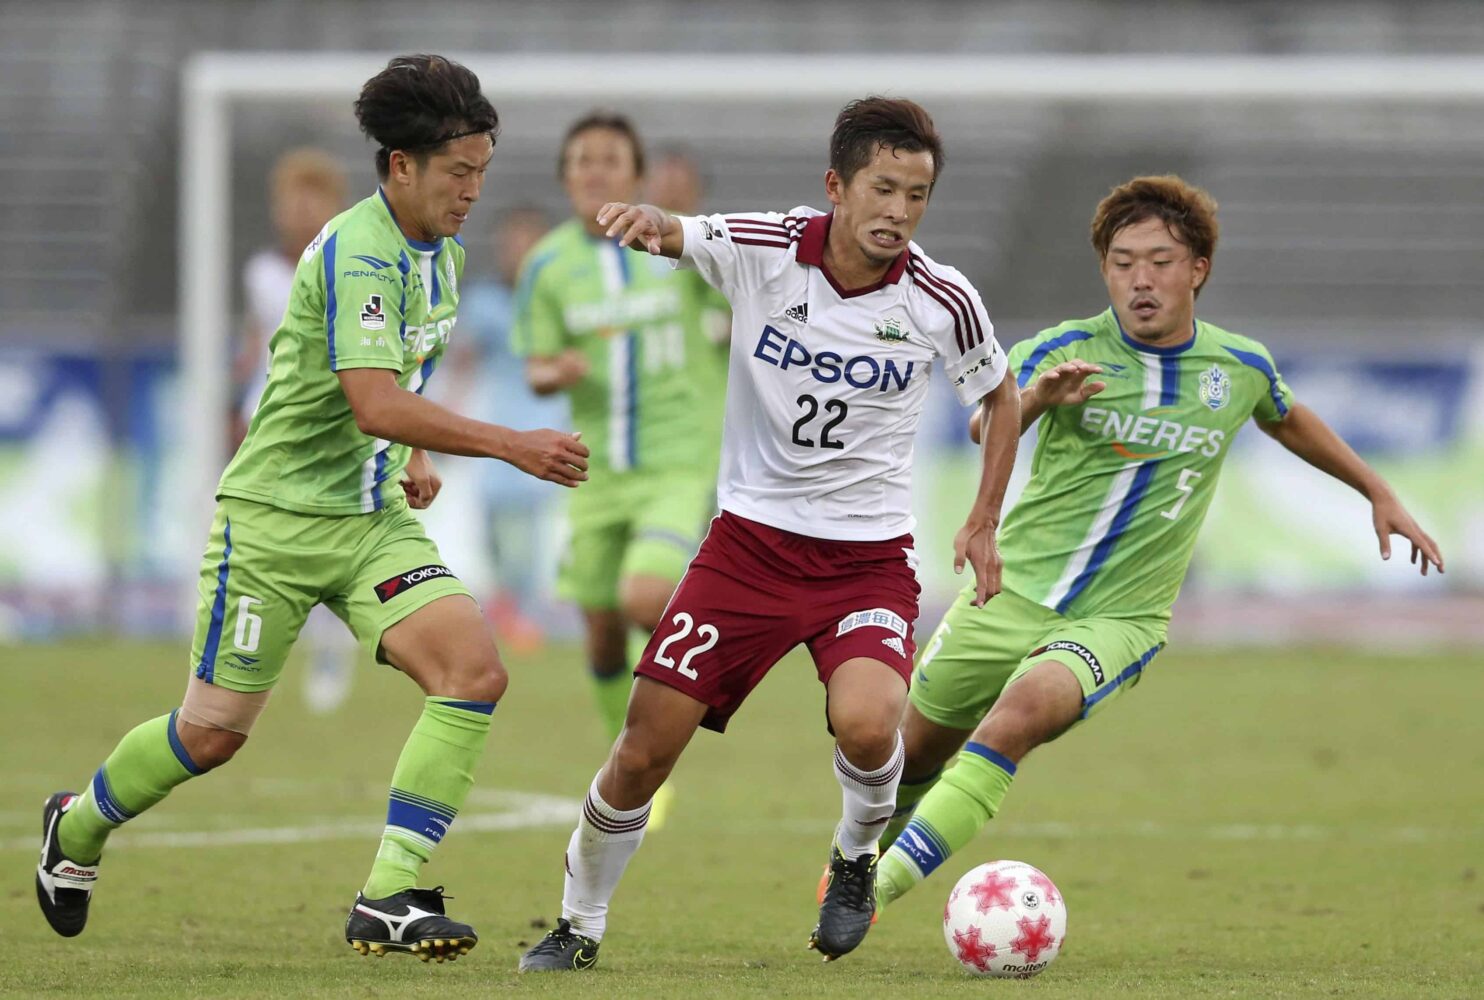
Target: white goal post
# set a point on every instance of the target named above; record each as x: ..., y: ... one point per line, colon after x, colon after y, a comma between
x: 212, y: 82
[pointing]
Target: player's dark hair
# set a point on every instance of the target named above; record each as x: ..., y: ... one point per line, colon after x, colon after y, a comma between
x: 600, y: 118
x: 418, y: 104
x: 1189, y: 212
x: 863, y: 126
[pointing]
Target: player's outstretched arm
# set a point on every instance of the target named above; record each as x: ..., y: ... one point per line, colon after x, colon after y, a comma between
x: 1305, y: 433
x: 975, y: 542
x: 644, y: 227
x: 1065, y: 385
x: 385, y: 410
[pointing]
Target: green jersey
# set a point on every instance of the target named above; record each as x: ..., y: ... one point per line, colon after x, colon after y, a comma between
x: 364, y: 296
x: 648, y: 400
x: 1120, y: 484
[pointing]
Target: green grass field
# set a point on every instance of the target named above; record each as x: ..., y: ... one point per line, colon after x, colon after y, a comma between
x: 1255, y: 825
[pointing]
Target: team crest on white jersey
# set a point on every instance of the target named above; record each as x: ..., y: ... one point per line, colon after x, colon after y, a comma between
x: 1215, y: 387
x: 891, y: 330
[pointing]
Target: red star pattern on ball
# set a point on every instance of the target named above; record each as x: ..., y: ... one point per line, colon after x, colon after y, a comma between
x: 991, y: 891
x: 973, y: 949
x: 1047, y: 889
x: 1035, y: 937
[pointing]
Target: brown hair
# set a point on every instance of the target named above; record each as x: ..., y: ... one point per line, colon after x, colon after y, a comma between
x: 866, y: 124
x: 310, y: 168
x: 610, y: 120
x: 1188, y: 211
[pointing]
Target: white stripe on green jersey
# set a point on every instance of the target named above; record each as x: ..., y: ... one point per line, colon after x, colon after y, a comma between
x: 364, y: 296
x: 1120, y: 484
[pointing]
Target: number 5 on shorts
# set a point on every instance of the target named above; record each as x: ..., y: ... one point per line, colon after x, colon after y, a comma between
x: 686, y: 623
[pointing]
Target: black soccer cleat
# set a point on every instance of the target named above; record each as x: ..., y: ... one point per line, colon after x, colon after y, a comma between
x: 63, y: 887
x: 412, y: 921
x: 561, y: 950
x: 849, y: 905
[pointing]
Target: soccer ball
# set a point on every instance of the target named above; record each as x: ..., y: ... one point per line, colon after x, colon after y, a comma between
x: 1005, y: 919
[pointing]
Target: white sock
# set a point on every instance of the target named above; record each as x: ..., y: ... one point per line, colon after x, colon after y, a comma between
x: 870, y: 799
x: 599, y: 851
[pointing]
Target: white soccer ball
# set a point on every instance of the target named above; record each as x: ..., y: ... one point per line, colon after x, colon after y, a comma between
x: 1005, y: 919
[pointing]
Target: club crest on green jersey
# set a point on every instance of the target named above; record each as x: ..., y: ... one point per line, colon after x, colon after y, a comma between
x: 891, y: 330
x: 1215, y: 388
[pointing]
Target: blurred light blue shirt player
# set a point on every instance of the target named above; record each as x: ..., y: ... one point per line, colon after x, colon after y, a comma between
x: 520, y: 512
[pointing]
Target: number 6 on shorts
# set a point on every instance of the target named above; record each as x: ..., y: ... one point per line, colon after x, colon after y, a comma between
x: 686, y: 623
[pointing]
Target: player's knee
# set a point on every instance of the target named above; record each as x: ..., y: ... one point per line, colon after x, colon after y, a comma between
x: 484, y: 678
x: 643, y: 605
x: 207, y: 747
x: 868, y: 742
x: 1018, y: 724
x: 637, y: 759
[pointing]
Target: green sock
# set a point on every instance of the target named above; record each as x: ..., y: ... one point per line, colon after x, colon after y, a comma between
x: 148, y: 762
x: 948, y: 817
x: 432, y: 779
x: 611, y: 692
x: 908, y: 795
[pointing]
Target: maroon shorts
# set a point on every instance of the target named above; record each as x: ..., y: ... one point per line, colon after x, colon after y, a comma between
x: 752, y: 593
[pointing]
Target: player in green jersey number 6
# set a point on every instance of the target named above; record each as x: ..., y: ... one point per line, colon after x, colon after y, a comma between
x: 314, y: 509
x: 1137, y: 409
x: 624, y: 336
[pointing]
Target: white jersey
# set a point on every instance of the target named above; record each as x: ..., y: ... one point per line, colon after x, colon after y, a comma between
x: 267, y: 281
x: 826, y: 385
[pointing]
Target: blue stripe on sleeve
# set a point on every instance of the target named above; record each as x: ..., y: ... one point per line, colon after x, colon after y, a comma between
x: 331, y: 306
x: 206, y: 670
x: 1254, y: 360
x: 1028, y: 367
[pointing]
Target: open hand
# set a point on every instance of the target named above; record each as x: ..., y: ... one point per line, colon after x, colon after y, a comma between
x: 1067, y: 385
x: 635, y: 225
x: 555, y: 456
x: 975, y: 544
x: 1390, y: 518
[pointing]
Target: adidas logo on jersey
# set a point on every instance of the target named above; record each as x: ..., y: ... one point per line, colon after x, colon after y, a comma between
x: 798, y: 313
x: 896, y: 644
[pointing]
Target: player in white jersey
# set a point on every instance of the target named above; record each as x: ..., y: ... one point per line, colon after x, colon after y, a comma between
x: 306, y: 189
x: 837, y: 321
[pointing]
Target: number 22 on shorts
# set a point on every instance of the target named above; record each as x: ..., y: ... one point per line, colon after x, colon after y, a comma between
x: 685, y: 624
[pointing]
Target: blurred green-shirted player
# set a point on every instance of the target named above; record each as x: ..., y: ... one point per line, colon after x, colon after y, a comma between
x: 625, y: 335
x: 314, y: 509
x: 1096, y: 548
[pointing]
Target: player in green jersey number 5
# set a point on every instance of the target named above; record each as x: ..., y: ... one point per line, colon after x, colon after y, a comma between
x: 1137, y: 409
x: 623, y: 335
x: 314, y: 509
